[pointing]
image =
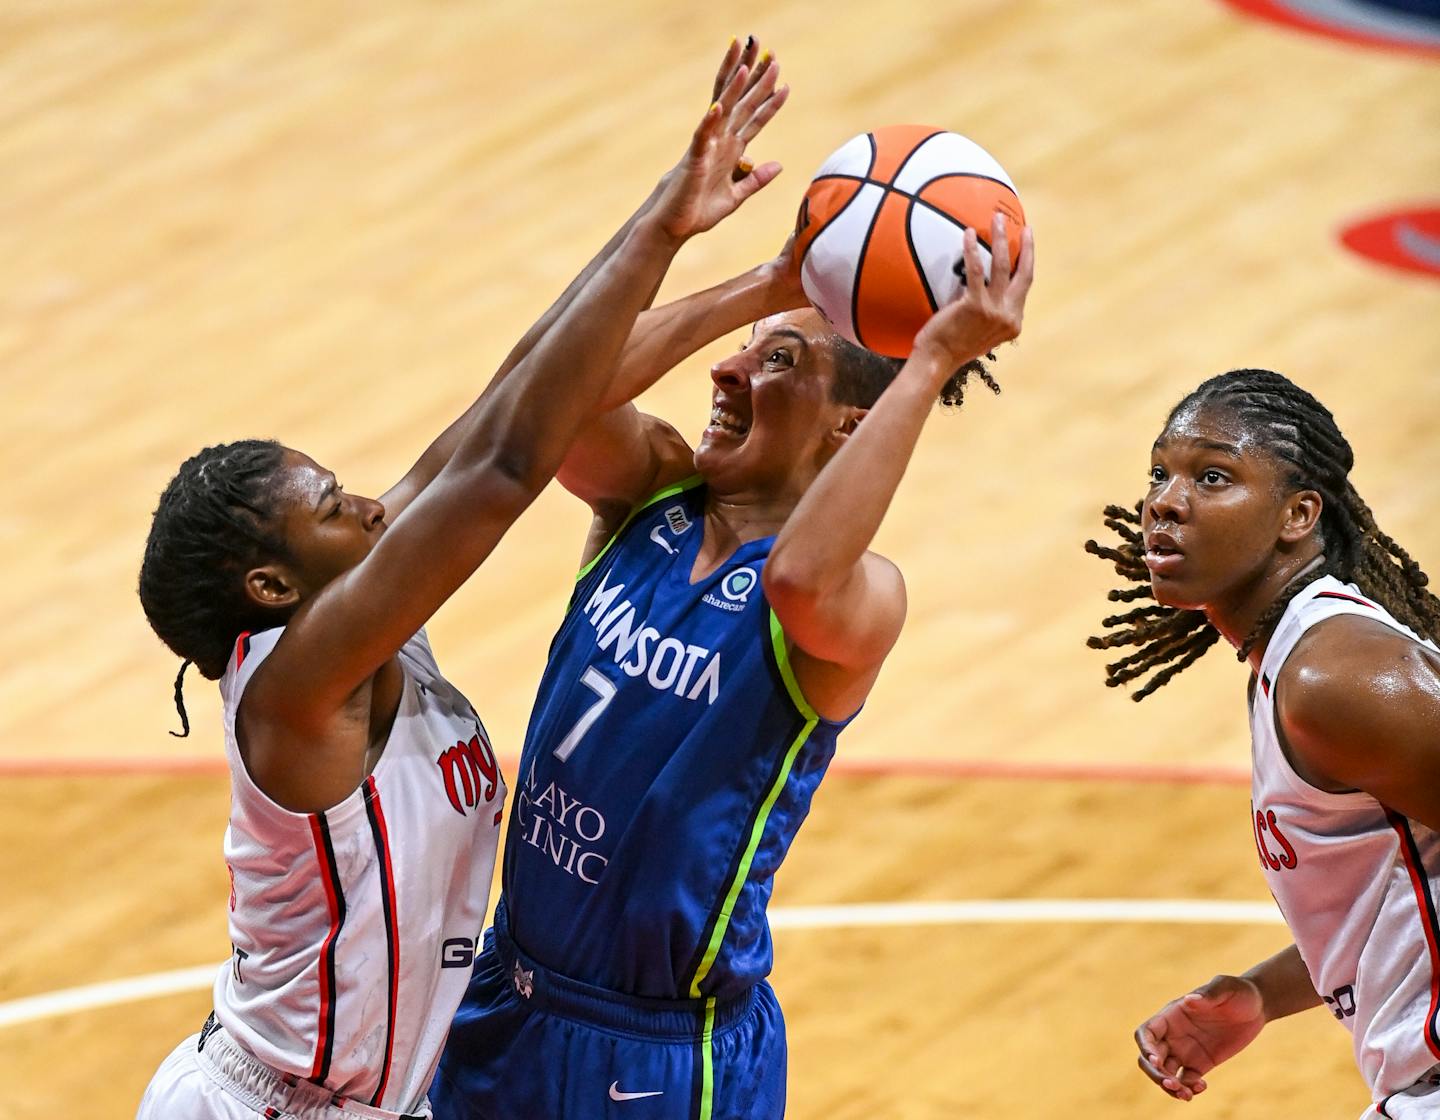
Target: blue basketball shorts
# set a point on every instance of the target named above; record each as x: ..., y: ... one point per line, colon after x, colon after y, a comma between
x: 529, y: 1044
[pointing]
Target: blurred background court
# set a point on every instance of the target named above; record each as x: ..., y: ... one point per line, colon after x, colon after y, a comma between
x: 328, y: 222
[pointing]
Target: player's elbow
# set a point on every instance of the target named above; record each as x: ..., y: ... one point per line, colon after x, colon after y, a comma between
x: 794, y: 588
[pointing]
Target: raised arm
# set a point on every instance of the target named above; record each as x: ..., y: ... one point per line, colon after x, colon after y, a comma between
x: 841, y: 606
x: 434, y: 458
x: 747, y: 55
x: 515, y: 440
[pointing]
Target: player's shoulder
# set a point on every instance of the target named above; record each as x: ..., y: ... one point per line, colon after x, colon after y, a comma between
x: 673, y: 474
x: 1345, y: 673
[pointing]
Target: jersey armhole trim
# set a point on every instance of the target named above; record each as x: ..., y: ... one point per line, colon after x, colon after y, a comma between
x: 762, y: 817
x: 659, y: 496
x: 787, y: 671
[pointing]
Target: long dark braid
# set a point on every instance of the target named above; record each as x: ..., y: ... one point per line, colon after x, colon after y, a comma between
x: 213, y: 523
x: 1300, y: 432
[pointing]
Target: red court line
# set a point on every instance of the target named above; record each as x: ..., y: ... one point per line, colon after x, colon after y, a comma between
x: 109, y: 767
x: 953, y: 769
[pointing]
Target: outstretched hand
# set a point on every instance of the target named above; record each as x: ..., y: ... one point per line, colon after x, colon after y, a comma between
x: 713, y: 179
x: 1190, y: 1036
x: 983, y: 315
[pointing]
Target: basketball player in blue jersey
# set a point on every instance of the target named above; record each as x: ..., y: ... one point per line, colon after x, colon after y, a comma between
x: 365, y: 803
x: 726, y: 624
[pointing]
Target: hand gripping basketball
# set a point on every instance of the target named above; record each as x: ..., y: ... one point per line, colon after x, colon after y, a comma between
x: 882, y: 226
x: 983, y: 315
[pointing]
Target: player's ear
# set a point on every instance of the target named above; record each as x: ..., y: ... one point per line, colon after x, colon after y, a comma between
x: 271, y: 585
x: 1302, y: 515
x: 849, y: 420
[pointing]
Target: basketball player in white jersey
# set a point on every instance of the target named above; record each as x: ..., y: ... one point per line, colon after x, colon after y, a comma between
x: 1252, y: 531
x: 366, y: 800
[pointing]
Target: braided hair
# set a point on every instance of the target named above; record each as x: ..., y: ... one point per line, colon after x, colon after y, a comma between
x: 1302, y: 435
x: 214, y: 522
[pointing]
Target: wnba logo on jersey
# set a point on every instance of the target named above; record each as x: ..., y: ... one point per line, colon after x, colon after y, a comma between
x: 470, y: 773
x: 1280, y: 854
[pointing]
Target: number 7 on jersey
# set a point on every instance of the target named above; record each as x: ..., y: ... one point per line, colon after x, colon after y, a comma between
x: 604, y: 689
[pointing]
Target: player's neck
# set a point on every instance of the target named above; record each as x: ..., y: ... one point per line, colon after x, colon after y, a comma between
x: 739, y: 518
x: 1236, y: 618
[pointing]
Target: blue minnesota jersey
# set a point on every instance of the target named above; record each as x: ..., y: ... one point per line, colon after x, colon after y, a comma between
x: 669, y: 761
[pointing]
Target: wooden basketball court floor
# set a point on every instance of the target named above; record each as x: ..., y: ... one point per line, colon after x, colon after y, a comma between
x: 327, y: 222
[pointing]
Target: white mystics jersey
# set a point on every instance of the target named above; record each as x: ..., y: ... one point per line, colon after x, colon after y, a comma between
x: 1356, y: 881
x: 354, y: 929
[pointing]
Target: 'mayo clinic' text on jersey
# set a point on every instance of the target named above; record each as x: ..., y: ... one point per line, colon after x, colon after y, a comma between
x: 669, y: 761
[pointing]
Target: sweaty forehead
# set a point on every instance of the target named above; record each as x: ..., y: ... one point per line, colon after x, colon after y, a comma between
x: 300, y: 478
x: 805, y: 322
x: 1198, y: 422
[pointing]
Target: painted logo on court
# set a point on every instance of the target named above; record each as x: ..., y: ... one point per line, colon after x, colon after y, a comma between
x: 1404, y: 239
x: 1410, y: 26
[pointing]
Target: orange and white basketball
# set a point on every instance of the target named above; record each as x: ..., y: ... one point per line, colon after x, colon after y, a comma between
x: 881, y: 229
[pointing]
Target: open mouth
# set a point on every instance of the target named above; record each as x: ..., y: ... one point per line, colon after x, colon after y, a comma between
x: 721, y: 419
x: 1162, y: 558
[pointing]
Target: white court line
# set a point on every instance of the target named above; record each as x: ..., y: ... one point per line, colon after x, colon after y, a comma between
x: 976, y: 912
x: 70, y: 1000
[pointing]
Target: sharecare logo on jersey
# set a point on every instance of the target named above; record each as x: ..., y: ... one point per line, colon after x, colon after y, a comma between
x: 666, y: 663
x: 736, y: 587
x: 470, y: 772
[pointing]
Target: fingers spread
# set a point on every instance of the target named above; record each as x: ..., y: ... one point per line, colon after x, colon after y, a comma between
x: 705, y: 131
x: 1025, y: 265
x: 974, y: 265
x: 751, y: 50
x: 727, y: 66
x: 756, y: 94
x: 764, y: 113
x: 734, y: 88
x: 999, y: 254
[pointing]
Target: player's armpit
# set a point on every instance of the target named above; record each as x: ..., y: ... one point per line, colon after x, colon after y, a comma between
x: 1359, y: 705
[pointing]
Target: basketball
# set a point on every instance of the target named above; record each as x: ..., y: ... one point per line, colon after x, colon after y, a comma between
x: 881, y: 230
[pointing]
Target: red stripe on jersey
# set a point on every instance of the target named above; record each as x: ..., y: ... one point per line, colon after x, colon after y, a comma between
x: 335, y: 902
x: 242, y: 647
x: 392, y: 924
x: 1349, y: 598
x: 1421, y: 885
